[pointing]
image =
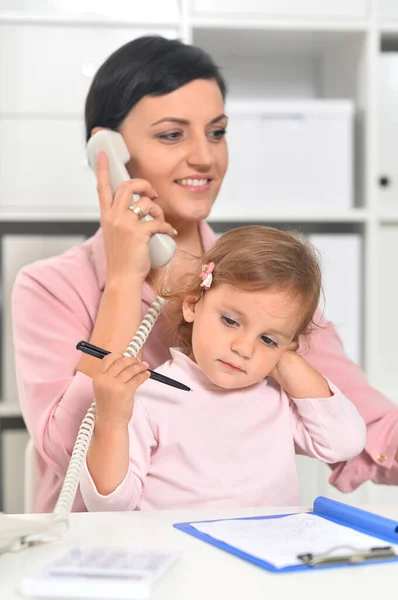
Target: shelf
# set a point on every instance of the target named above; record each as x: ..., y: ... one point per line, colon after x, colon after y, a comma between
x: 47, y: 217
x: 9, y: 409
x: 237, y: 22
x: 388, y: 217
x: 196, y: 22
x: 390, y: 29
x: 354, y: 216
x: 81, y: 21
x: 243, y: 41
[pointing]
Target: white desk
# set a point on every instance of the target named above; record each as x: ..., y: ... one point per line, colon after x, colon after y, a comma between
x: 204, y: 572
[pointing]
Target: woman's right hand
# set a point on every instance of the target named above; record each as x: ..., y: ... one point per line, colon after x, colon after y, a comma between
x: 126, y: 238
x: 115, y: 385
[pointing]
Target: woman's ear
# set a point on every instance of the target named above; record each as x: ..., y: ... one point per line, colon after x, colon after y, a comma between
x: 96, y: 130
x: 188, y: 308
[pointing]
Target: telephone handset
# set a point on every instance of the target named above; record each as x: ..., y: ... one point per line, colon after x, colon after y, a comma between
x: 161, y: 246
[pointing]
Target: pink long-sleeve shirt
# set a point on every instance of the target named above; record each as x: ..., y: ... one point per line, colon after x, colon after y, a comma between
x: 55, y: 303
x: 224, y: 448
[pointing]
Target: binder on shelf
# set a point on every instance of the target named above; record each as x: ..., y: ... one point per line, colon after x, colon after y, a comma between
x: 59, y: 193
x: 19, y: 251
x: 333, y: 535
x: 388, y: 130
x: 341, y: 262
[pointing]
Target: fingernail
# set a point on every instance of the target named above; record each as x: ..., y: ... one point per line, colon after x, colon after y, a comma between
x: 99, y: 153
x: 145, y: 364
x: 175, y: 231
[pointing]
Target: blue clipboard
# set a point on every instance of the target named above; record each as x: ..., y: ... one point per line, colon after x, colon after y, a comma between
x: 337, y: 512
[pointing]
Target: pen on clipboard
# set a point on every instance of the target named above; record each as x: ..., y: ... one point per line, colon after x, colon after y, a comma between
x: 97, y: 352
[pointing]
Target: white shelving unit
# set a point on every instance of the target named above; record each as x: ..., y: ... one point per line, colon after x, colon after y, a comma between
x: 287, y: 49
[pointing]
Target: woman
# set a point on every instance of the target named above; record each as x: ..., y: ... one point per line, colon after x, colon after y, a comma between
x: 167, y: 100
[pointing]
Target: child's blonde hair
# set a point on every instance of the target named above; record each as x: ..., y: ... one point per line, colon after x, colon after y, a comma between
x: 253, y: 257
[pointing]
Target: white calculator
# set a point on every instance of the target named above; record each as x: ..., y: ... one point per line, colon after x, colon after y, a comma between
x: 100, y: 572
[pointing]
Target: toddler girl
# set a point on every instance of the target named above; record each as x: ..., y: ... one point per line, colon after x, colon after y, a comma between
x: 255, y: 402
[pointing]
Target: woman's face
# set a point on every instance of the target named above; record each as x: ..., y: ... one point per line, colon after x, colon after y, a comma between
x: 177, y: 143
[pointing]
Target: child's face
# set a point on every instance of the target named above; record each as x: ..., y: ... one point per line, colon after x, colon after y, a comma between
x: 238, y: 335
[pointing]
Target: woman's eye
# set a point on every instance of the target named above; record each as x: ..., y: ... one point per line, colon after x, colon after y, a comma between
x: 268, y: 341
x: 172, y: 136
x: 228, y: 321
x: 218, y: 134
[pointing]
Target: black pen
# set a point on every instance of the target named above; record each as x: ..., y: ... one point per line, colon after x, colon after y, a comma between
x: 97, y: 352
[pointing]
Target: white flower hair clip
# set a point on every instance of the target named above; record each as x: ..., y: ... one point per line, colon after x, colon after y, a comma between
x: 206, y: 275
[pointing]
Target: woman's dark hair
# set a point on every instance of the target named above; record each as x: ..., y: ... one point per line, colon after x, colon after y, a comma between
x: 146, y: 66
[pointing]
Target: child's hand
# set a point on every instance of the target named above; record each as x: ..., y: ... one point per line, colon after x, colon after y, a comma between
x: 115, y: 386
x: 296, y: 376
